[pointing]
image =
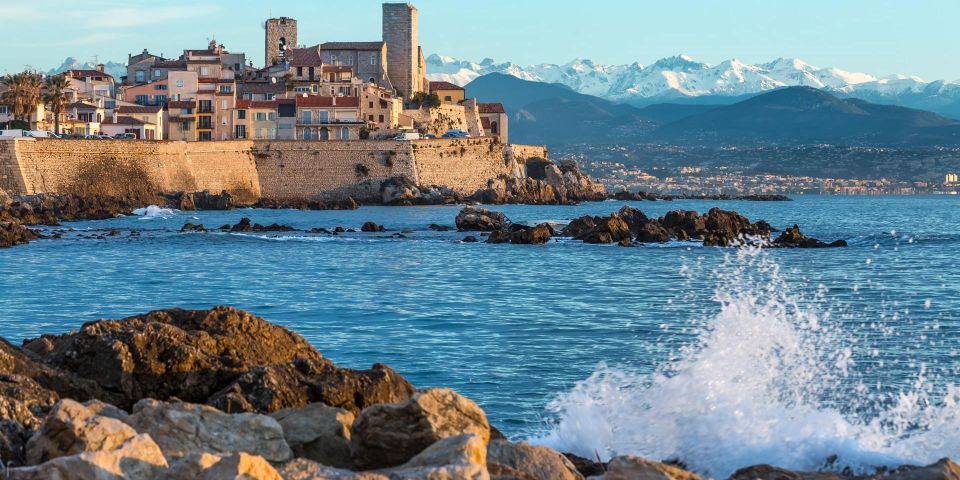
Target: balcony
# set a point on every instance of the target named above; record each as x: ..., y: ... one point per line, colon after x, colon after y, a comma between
x: 317, y: 121
x: 205, y: 125
x: 205, y: 109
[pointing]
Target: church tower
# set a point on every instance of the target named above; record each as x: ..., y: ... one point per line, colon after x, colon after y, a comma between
x: 281, y: 36
x: 404, y: 65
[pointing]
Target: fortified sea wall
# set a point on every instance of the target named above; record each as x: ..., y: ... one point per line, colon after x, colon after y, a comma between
x: 251, y: 169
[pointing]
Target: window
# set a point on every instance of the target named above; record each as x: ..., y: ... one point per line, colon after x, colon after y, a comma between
x: 373, y: 59
x: 157, y: 73
x: 4, y: 110
x: 206, y: 106
x: 370, y: 117
x: 259, y: 133
x: 316, y: 88
x: 226, y: 88
x: 141, y: 76
x: 240, y: 131
x: 306, y: 117
x: 350, y: 60
x: 299, y: 71
x: 143, y: 99
x: 272, y: 116
x: 261, y: 116
x: 381, y: 118
x: 302, y: 89
x: 161, y: 100
x: 448, y: 98
x: 344, y: 133
x: 184, y: 126
x: 310, y: 71
x: 324, y: 116
x: 494, y: 128
x: 223, y: 104
x: 179, y: 83
x: 268, y: 96
x: 204, y: 71
x: 333, y: 59
x: 160, y: 86
x: 206, y: 136
x: 241, y: 114
x: 270, y: 134
x: 371, y: 104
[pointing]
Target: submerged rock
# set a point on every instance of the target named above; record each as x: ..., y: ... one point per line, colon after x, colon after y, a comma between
x: 793, y: 237
x: 189, y: 227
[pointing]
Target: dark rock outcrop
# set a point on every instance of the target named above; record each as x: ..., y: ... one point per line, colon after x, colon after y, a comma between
x: 303, y: 204
x: 188, y: 354
x: 481, y: 220
x: 208, y: 201
x: 14, y: 233
x: 189, y: 227
x: 371, y: 227
x: 523, y: 235
x: 653, y: 232
x: 794, y: 238
x: 610, y: 229
x: 270, y: 388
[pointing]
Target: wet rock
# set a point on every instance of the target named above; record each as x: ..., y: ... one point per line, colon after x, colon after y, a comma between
x: 371, y: 227
x: 14, y: 233
x: 794, y: 238
x: 339, y: 230
x: 499, y: 236
x: 188, y: 354
x: 610, y: 229
x: 634, y: 218
x: 626, y: 243
x: 189, y: 227
x: 275, y: 387
x: 138, y: 458
x: 48, y: 208
x: 318, y: 230
x: 723, y: 228
x: 390, y: 434
x: 182, y: 201
x: 273, y: 227
x: 585, y: 466
x: 244, y: 225
x: 71, y: 429
x: 537, y: 235
x: 182, y: 429
x: 207, y: 201
x: 636, y: 468
x: 440, y: 228
x: 768, y: 472
x: 318, y: 432
x: 481, y: 220
x: 652, y: 232
x: 470, y: 239
x: 525, y: 461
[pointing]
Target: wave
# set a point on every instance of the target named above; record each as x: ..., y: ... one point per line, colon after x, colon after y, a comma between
x: 769, y: 379
x: 153, y: 211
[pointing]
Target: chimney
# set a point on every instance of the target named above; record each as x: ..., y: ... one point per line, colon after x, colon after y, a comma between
x: 100, y: 67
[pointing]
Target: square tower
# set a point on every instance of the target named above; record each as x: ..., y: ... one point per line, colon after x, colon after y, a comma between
x: 403, y: 50
x: 280, y: 37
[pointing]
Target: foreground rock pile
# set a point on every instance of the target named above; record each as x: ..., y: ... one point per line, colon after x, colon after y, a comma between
x: 629, y: 225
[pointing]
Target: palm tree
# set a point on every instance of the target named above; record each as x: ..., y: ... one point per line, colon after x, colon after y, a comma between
x: 56, y: 96
x: 23, y: 93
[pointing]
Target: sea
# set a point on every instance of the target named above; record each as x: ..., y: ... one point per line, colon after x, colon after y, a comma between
x: 719, y: 358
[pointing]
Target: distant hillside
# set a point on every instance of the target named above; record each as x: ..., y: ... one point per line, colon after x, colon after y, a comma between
x: 113, y: 68
x: 804, y: 115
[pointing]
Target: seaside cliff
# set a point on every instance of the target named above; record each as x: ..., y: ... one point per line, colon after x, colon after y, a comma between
x: 223, y: 394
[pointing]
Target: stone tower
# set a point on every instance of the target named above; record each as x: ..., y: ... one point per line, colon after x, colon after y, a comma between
x: 281, y: 36
x: 403, y: 51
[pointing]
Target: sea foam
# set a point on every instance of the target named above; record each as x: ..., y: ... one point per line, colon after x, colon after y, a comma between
x: 153, y: 211
x: 770, y: 379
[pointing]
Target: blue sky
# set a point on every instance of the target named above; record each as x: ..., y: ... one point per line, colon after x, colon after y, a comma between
x: 879, y: 37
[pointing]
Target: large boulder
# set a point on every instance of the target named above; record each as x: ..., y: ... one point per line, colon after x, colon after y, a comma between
x: 481, y: 219
x: 71, y: 429
x: 610, y: 229
x: 182, y: 429
x: 652, y: 232
x: 460, y: 457
x: 634, y: 218
x: 528, y: 462
x: 188, y: 354
x: 579, y: 226
x: 275, y: 387
x: 794, y: 238
x: 724, y: 228
x: 318, y: 432
x: 636, y: 468
x: 944, y: 469
x: 14, y: 233
x: 207, y: 201
x: 683, y: 224
x: 232, y: 466
x: 388, y: 435
x: 138, y: 458
x: 523, y: 235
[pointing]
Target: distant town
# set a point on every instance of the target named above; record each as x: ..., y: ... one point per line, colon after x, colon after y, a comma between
x: 327, y: 91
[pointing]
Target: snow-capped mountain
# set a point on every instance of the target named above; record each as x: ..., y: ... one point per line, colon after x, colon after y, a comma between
x: 70, y: 63
x: 680, y: 78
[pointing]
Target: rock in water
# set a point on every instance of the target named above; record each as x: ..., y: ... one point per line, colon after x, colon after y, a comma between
x: 138, y: 458
x: 71, y: 429
x: 579, y: 226
x: 794, y: 238
x: 182, y: 429
x: 481, y: 219
x: 635, y: 218
x: 371, y: 227
x: 610, y: 229
x: 13, y: 233
x: 207, y: 201
x: 522, y: 460
x: 318, y: 432
x: 652, y: 232
x: 275, y: 387
x: 391, y: 434
x: 188, y: 354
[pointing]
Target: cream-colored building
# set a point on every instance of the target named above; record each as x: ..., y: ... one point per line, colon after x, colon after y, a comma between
x: 449, y: 93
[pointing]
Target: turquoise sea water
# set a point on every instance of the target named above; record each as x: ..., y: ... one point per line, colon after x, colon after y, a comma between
x: 521, y: 329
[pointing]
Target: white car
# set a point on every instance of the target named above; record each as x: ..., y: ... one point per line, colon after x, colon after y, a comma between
x: 407, y: 136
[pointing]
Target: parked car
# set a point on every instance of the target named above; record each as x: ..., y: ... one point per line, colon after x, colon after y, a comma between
x: 456, y: 133
x: 430, y: 136
x: 12, y: 133
x: 125, y: 136
x: 408, y: 136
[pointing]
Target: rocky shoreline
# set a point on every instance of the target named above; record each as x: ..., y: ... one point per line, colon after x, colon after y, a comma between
x: 223, y: 394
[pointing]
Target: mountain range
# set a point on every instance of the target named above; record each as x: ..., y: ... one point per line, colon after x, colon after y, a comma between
x: 680, y: 79
x: 555, y: 114
x: 113, y: 68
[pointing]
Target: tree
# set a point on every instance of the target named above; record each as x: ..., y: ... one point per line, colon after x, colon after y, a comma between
x: 56, y: 96
x: 424, y: 99
x: 23, y: 93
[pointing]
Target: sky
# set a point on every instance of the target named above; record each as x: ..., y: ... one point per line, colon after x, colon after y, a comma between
x: 879, y: 37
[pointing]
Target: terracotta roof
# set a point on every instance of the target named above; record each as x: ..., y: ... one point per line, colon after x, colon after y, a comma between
x: 485, y: 122
x: 262, y: 87
x: 182, y: 104
x: 434, y: 86
x: 170, y: 64
x: 256, y: 104
x: 304, y: 57
x: 88, y: 73
x: 137, y: 109
x: 318, y: 101
x: 351, y: 45
x: 125, y: 121
x: 490, y: 108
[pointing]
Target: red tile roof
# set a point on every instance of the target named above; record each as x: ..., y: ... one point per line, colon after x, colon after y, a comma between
x: 351, y: 45
x: 260, y: 88
x: 490, y: 108
x: 434, y: 86
x: 318, y: 101
x: 304, y: 57
x: 88, y: 73
x: 137, y: 109
x: 170, y: 64
x: 256, y: 104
